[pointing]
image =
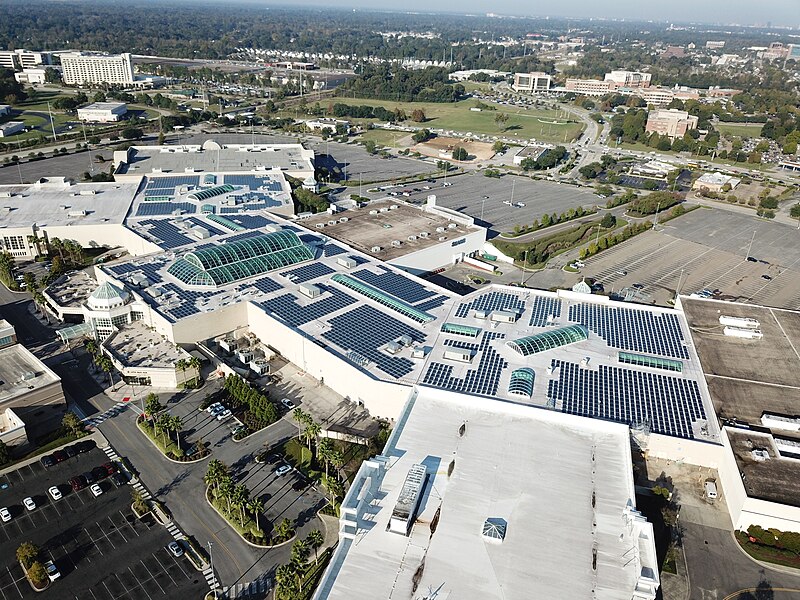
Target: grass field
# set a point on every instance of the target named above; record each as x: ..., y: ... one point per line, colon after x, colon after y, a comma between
x: 456, y: 116
x: 384, y: 137
x: 740, y: 129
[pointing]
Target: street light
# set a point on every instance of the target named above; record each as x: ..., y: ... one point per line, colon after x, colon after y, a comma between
x: 524, y: 262
x: 214, y: 577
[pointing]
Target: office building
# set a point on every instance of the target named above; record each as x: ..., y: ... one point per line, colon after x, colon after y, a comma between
x: 17, y: 60
x: 715, y: 182
x: 715, y: 45
x: 31, y: 76
x: 532, y: 82
x: 103, y: 112
x: 84, y: 68
x: 590, y: 87
x: 672, y: 123
x: 629, y: 78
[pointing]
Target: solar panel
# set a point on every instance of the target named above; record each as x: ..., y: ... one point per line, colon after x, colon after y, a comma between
x: 251, y: 221
x: 307, y: 272
x: 542, y: 309
x: 667, y: 405
x: 491, y: 302
x: 266, y: 285
x: 167, y: 234
x: 172, y: 181
x: 395, y: 284
x: 153, y: 209
x: 211, y: 230
x: 332, y: 250
x: 434, y: 302
x: 365, y: 330
x: 287, y: 308
x: 631, y: 329
x: 482, y: 380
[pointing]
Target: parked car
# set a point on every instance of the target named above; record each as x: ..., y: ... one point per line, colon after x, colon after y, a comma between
x: 212, y: 407
x: 99, y: 473
x: 175, y: 549
x: 5, y: 515
x: 71, y: 451
x: 77, y: 483
x: 52, y: 570
x: 29, y: 503
x: 96, y: 490
x: 85, y: 446
x: 767, y: 277
x: 47, y: 461
x: 59, y: 456
x: 89, y: 477
x: 288, y: 404
x: 225, y: 414
x: 282, y: 470
x: 119, y: 479
x: 55, y: 493
x: 110, y: 468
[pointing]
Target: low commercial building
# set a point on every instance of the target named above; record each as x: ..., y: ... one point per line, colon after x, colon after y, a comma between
x: 88, y: 68
x: 715, y: 45
x: 672, y: 123
x: 452, y: 505
x: 5, y: 109
x: 589, y: 87
x: 33, y: 392
x: 103, y: 112
x: 11, y: 128
x: 533, y: 152
x: 629, y: 78
x: 532, y: 82
x: 8, y: 335
x: 31, y: 76
x: 715, y: 182
x: 329, y: 124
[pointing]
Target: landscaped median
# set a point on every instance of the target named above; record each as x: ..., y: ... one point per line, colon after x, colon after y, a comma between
x: 28, y: 557
x: 158, y: 433
x: 771, y: 545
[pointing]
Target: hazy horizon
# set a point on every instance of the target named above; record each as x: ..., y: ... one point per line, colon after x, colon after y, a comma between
x: 780, y: 13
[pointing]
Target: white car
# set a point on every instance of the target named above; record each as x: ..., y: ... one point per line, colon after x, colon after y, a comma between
x: 5, y: 515
x: 288, y: 404
x: 216, y: 407
x: 175, y: 549
x: 225, y: 414
x: 29, y: 503
x: 54, y: 492
x: 96, y: 490
x: 52, y: 571
x: 282, y: 470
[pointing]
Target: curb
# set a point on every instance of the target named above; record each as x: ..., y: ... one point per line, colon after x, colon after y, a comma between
x: 762, y: 564
x: 245, y: 540
x: 172, y: 460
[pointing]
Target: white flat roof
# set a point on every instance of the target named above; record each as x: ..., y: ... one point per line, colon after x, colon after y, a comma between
x: 21, y: 372
x: 104, y: 106
x: 56, y: 202
x: 562, y: 486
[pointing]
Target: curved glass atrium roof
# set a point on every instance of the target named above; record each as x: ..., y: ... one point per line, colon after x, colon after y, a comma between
x: 548, y: 340
x: 521, y: 382
x: 234, y: 261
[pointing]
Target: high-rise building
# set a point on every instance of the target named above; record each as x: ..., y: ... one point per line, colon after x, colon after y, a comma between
x: 88, y: 68
x: 532, y: 82
x: 22, y: 59
x: 672, y: 123
x: 629, y: 78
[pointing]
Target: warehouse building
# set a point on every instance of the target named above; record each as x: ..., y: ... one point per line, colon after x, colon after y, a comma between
x: 103, y: 112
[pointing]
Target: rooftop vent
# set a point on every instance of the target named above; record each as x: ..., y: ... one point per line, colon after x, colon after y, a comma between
x: 375, y: 249
x: 405, y: 509
x: 494, y: 530
x: 396, y: 243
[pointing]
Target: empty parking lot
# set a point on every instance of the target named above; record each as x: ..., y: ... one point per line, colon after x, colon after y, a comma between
x: 101, y: 550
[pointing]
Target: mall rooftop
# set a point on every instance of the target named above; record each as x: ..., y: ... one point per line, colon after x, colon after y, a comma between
x: 609, y: 360
x: 180, y: 159
x: 498, y: 482
x: 137, y: 345
x: 56, y: 201
x: 21, y: 372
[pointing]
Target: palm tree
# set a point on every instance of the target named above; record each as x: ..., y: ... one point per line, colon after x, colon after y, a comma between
x: 152, y: 405
x: 284, y: 577
x: 315, y: 539
x: 335, y: 489
x: 256, y: 507
x: 337, y: 461
x: 57, y: 245
x: 194, y: 363
x: 163, y: 425
x: 324, y: 450
x: 225, y: 489
x: 176, y: 425
x: 216, y: 471
x: 299, y: 556
x: 106, y: 365
x: 312, y: 431
x: 301, y: 417
x: 240, y: 497
x: 181, y: 365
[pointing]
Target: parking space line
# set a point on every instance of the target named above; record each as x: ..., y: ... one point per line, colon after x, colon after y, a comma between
x: 160, y: 564
x: 153, y: 577
x: 92, y: 592
x: 140, y: 584
x: 124, y: 587
x: 91, y: 539
x: 14, y: 581
x: 67, y: 554
x: 117, y: 529
x: 175, y: 560
x: 128, y: 523
x: 108, y: 590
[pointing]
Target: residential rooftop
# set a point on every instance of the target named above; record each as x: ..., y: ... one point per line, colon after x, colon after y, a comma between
x: 21, y: 372
x: 57, y: 201
x: 393, y: 226
x: 517, y: 473
x: 137, y: 345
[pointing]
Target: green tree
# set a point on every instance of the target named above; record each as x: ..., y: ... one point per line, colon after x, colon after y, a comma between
x: 315, y: 539
x: 499, y: 146
x: 608, y: 221
x: 72, y: 422
x: 794, y: 212
x: 27, y: 553
x: 217, y: 470
x: 132, y: 133
x: 460, y: 153
x: 501, y: 119
x: 284, y: 530
x: 324, y: 450
x: 38, y: 574
x: 181, y: 366
x: 256, y: 506
x: 421, y: 136
x: 5, y: 453
x: 418, y: 115
x: 311, y: 432
x: 152, y: 405
x: 138, y: 501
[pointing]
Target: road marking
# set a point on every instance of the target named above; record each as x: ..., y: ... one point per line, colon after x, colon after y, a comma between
x: 160, y: 564
x: 69, y: 556
x: 153, y: 577
x: 108, y: 590
x: 140, y: 584
x: 91, y: 539
x: 14, y: 581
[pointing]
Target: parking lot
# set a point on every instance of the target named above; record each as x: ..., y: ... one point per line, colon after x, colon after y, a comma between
x: 370, y: 167
x: 101, y: 550
x: 707, y: 249
x: 467, y: 195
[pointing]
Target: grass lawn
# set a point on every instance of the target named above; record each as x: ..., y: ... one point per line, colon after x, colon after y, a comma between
x: 767, y: 553
x: 383, y: 137
x: 522, y: 124
x: 740, y: 129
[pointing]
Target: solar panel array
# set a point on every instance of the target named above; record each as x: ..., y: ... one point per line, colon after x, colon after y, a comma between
x: 242, y: 236
x: 434, y: 302
x: 482, y: 380
x: 461, y: 345
x: 307, y: 272
x: 366, y: 330
x: 155, y: 209
x: 254, y: 182
x: 333, y: 250
x: 266, y: 285
x: 669, y: 405
x: 395, y: 284
x: 630, y: 329
x: 491, y: 302
x: 251, y: 221
x: 169, y: 235
x: 199, y: 223
x: 172, y: 181
x: 542, y: 308
x: 287, y: 307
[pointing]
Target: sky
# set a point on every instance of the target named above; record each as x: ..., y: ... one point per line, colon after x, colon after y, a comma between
x: 778, y: 12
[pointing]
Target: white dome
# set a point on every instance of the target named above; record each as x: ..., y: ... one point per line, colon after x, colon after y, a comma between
x: 107, y: 296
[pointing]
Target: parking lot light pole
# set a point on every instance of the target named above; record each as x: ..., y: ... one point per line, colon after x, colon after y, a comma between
x: 524, y: 262
x: 211, y: 563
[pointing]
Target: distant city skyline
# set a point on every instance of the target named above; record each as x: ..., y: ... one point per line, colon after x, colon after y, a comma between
x: 783, y: 13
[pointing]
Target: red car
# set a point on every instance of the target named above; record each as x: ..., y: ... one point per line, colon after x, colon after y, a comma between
x: 77, y: 483
x: 110, y: 468
x: 59, y: 456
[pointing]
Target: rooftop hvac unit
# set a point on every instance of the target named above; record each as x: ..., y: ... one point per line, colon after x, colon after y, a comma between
x: 375, y: 249
x: 412, y: 238
x: 88, y: 192
x: 63, y: 207
x: 418, y: 352
x: 404, y: 513
x: 343, y: 220
x: 393, y: 347
x: 310, y: 290
x: 396, y: 243
x: 452, y: 225
x: 747, y: 334
x: 442, y: 238
x: 201, y: 233
x: 349, y: 263
x: 481, y: 314
x: 405, y: 340
x: 373, y: 212
x: 332, y: 222
x: 76, y: 213
x: 28, y: 375
x: 5, y: 194
x: 393, y: 207
x: 440, y: 230
x: 742, y: 322
x: 423, y: 234
x: 319, y: 225
x: 504, y: 316
x: 384, y: 209
x: 458, y: 354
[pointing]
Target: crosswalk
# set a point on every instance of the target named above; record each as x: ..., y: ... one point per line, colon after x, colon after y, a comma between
x: 252, y: 590
x: 95, y: 420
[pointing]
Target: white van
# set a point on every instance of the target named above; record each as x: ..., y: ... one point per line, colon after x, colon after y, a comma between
x: 711, y: 489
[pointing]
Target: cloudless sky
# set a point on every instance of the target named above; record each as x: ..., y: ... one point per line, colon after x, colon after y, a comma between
x: 778, y: 12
